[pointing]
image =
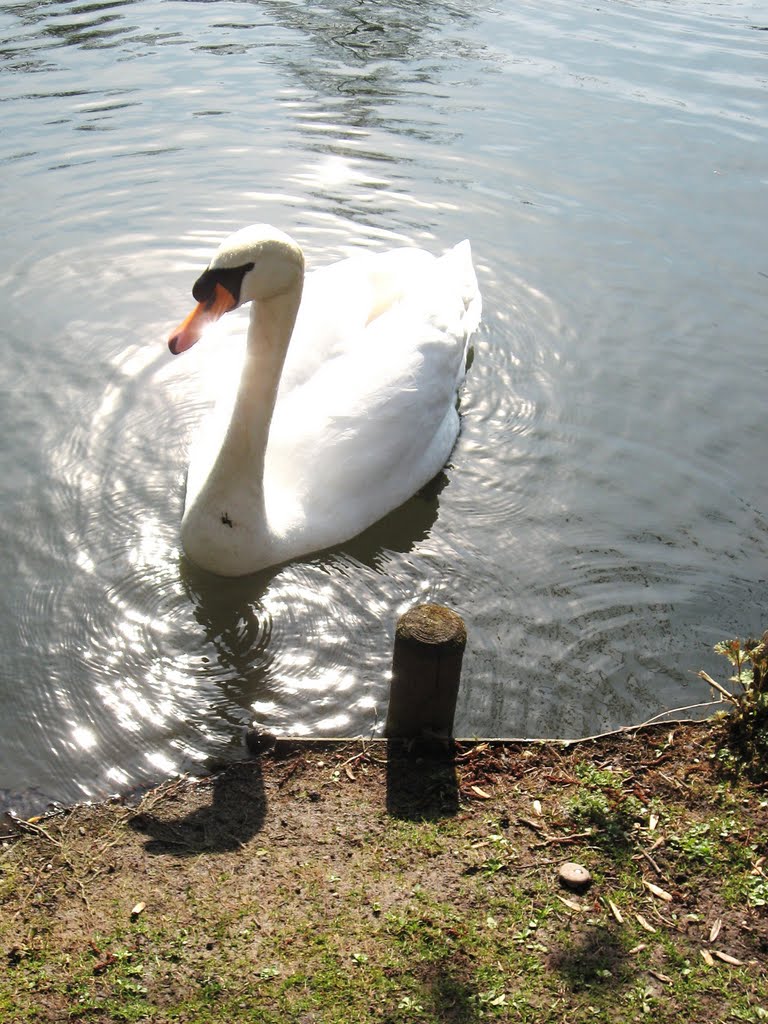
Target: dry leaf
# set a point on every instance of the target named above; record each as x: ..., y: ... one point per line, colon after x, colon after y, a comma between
x: 645, y: 924
x: 615, y: 911
x: 349, y: 773
x: 707, y: 957
x: 639, y: 947
x: 728, y: 959
x: 537, y: 807
x: 570, y: 903
x: 657, y: 891
x: 480, y: 793
x: 714, y: 931
x: 661, y: 977
x: 653, y: 821
x: 138, y: 909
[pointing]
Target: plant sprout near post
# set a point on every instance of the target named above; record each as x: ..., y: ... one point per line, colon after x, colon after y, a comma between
x: 748, y: 725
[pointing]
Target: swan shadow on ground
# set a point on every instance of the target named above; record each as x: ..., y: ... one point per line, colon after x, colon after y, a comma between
x: 231, y: 808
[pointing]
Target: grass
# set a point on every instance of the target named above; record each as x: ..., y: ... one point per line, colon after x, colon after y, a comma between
x: 288, y: 890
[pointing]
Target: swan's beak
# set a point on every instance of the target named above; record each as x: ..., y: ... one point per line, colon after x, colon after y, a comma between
x: 204, y: 313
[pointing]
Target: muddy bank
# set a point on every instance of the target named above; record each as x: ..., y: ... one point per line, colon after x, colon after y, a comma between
x: 351, y: 881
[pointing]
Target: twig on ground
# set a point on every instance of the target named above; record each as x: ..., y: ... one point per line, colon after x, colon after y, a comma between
x: 574, y: 837
x: 726, y: 694
x: 652, y: 862
x: 372, y: 757
x: 35, y: 829
x: 674, y: 782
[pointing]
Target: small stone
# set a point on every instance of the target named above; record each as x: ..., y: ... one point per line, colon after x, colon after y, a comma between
x: 574, y: 876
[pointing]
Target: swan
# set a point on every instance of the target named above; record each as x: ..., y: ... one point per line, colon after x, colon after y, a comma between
x: 347, y: 398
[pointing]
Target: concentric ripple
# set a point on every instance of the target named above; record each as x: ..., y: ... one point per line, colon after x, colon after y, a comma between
x: 600, y: 523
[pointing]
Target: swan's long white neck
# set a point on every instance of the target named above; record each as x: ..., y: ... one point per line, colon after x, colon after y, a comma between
x: 225, y: 527
x: 269, y: 333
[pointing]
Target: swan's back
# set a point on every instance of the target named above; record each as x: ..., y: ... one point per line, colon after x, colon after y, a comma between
x: 340, y: 300
x: 366, y: 412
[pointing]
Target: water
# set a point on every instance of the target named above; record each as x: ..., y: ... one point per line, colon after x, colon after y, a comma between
x: 601, y: 523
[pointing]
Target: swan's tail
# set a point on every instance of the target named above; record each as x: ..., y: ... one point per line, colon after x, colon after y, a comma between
x: 458, y: 262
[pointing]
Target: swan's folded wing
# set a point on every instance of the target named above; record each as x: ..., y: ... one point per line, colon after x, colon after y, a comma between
x: 374, y: 424
x: 341, y: 300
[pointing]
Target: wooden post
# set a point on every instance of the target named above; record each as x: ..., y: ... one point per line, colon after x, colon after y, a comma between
x: 426, y: 668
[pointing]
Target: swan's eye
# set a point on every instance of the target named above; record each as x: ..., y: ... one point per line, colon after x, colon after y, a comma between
x: 231, y: 278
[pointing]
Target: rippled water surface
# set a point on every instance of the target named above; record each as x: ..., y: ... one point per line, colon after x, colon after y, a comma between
x: 602, y: 520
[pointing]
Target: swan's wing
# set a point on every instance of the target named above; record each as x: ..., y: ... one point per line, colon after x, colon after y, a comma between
x: 340, y: 300
x: 379, y: 420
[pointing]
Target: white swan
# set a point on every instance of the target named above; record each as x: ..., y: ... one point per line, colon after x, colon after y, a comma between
x: 324, y: 437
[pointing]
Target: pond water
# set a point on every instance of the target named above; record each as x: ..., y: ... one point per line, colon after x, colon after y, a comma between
x: 602, y: 520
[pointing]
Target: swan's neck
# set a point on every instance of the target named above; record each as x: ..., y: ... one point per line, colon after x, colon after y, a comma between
x: 225, y: 526
x: 241, y: 458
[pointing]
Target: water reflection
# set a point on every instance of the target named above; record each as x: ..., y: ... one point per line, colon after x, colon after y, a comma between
x: 87, y: 26
x: 292, y: 639
x: 232, y: 619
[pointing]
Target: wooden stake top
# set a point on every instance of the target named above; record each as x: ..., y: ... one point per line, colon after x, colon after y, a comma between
x: 432, y: 625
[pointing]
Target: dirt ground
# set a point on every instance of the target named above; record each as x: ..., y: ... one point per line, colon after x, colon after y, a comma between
x: 362, y: 881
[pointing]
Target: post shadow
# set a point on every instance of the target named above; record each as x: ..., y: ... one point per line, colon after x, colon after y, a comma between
x: 593, y: 958
x: 235, y: 813
x: 421, y: 780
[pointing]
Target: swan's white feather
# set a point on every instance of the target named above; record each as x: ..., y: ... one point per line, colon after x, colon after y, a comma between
x: 366, y: 407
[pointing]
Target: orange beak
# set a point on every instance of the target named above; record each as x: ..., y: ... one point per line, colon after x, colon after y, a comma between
x: 204, y: 313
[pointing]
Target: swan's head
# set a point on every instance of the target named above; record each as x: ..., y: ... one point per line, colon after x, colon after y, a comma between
x: 254, y: 264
